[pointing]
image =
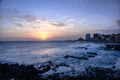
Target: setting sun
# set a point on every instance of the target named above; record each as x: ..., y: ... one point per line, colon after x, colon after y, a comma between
x: 43, y: 35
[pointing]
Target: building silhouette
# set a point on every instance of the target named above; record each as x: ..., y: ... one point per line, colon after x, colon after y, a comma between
x: 88, y: 36
x: 96, y: 36
x: 103, y: 37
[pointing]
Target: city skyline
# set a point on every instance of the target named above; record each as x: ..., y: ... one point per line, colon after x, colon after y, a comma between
x: 57, y: 19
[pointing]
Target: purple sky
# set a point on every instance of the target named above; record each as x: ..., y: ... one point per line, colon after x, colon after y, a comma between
x: 57, y: 19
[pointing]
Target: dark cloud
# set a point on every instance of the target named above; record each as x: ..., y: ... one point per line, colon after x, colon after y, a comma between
x: 58, y: 24
x: 1, y: 17
x: 29, y: 18
x: 18, y: 24
x: 51, y: 23
x: 18, y: 18
x: 23, y: 20
x: 118, y: 22
x: 21, y: 25
x: 16, y: 14
x: 32, y: 19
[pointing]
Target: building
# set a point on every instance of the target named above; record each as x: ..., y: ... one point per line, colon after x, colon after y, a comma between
x: 96, y: 36
x: 104, y: 37
x: 88, y: 36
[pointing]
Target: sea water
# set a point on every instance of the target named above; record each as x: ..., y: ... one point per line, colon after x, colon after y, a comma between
x: 37, y: 52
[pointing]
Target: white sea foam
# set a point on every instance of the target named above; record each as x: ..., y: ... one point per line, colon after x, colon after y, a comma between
x: 40, y: 52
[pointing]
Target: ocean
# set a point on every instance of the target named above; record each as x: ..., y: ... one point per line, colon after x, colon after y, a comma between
x: 76, y: 54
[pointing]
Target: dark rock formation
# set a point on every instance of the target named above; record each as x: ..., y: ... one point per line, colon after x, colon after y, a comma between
x: 80, y: 58
x: 16, y: 71
x: 22, y: 72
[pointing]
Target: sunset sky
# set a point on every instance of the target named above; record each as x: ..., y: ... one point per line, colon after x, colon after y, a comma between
x: 57, y: 19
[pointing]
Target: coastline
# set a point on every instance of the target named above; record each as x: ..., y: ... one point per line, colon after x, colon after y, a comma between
x: 29, y: 72
x: 15, y: 71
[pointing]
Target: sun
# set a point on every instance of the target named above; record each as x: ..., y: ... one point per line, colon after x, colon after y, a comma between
x: 43, y: 35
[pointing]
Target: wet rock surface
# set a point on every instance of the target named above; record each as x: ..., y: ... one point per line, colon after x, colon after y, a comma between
x: 18, y: 72
x: 80, y: 58
x: 82, y: 48
x: 29, y: 72
x: 84, y: 57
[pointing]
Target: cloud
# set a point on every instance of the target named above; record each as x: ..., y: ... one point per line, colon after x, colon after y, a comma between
x: 37, y: 21
x: 1, y: 17
x: 21, y: 25
x: 118, y: 22
x: 18, y: 24
x: 82, y: 21
x: 29, y: 18
x: 52, y: 24
x: 7, y: 11
x: 32, y: 22
x: 13, y: 14
x: 57, y: 24
x: 16, y: 15
x: 71, y: 19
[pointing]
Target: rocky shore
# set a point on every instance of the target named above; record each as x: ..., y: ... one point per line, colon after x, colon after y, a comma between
x: 29, y: 72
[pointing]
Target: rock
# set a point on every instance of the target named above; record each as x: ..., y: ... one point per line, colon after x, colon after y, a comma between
x: 80, y: 58
x: 22, y: 72
x: 18, y: 71
x: 81, y: 48
x: 93, y: 53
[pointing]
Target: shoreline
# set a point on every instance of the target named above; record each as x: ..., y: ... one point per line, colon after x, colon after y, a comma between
x: 15, y: 71
x: 29, y: 72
